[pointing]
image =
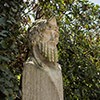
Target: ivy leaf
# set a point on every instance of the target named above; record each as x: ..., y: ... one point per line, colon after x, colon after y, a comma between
x: 3, y: 44
x: 4, y: 58
x: 2, y: 21
x: 4, y: 33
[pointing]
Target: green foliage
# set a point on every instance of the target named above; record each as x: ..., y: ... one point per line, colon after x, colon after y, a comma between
x: 11, y: 47
x: 8, y: 83
x: 79, y: 46
x: 79, y: 51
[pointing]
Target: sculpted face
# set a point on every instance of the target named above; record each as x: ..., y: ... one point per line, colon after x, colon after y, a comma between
x: 51, y: 36
x: 49, y: 40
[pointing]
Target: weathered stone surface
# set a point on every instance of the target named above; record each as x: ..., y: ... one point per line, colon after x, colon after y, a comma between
x: 42, y: 77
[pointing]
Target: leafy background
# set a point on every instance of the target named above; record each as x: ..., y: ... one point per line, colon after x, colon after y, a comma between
x: 79, y: 45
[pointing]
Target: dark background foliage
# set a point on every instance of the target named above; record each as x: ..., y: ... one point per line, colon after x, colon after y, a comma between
x: 79, y: 45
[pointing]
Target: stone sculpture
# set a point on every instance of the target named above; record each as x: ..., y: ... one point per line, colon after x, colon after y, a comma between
x: 42, y: 78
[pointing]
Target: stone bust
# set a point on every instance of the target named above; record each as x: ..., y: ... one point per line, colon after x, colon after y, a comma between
x: 44, y: 38
x: 42, y: 77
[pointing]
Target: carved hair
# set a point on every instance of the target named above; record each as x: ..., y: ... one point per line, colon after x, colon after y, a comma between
x: 35, y: 32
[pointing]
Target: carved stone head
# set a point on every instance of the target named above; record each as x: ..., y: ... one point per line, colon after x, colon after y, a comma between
x: 50, y: 34
x: 45, y: 36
